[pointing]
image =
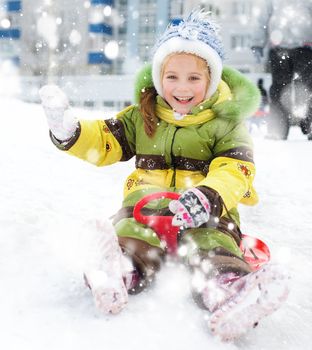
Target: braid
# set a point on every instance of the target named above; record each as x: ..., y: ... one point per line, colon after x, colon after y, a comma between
x: 147, y: 109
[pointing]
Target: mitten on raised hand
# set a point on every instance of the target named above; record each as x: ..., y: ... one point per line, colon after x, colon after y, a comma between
x: 59, y: 116
x: 191, y: 210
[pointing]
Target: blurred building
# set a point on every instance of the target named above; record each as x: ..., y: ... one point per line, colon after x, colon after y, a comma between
x: 143, y: 20
x: 54, y: 37
x: 83, y: 37
x: 237, y: 25
x: 10, y: 31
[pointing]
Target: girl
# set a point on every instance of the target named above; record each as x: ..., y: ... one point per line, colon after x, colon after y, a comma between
x: 187, y: 134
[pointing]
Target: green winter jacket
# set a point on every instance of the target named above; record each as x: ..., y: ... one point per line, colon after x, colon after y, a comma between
x: 211, y: 147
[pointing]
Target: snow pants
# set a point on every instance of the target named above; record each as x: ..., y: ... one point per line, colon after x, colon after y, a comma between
x: 218, y: 246
x: 290, y: 68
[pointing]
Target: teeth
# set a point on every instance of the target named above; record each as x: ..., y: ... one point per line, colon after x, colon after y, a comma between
x: 183, y: 98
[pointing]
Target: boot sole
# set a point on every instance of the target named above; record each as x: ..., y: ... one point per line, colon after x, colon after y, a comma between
x: 111, y: 296
x: 264, y: 292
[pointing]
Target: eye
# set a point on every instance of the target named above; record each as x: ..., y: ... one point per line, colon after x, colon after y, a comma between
x: 194, y: 78
x: 171, y: 76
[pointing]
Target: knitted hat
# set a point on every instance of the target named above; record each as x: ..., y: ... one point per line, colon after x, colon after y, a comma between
x: 196, y: 34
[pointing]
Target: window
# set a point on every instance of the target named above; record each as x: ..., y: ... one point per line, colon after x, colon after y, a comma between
x: 240, y: 41
x: 240, y: 8
x: 14, y: 6
x: 213, y: 9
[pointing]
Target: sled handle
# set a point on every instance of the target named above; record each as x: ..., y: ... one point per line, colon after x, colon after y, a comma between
x: 145, y: 219
x: 162, y: 225
x: 256, y: 252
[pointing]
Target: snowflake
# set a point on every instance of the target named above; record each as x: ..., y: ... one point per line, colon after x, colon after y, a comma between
x: 193, y: 205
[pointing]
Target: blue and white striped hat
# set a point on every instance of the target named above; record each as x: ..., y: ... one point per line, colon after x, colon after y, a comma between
x: 196, y: 34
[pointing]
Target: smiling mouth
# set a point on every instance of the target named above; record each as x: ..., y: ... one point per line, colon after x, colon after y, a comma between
x: 183, y: 99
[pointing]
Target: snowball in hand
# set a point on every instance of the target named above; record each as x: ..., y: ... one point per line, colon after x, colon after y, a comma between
x: 60, y: 118
x: 53, y: 97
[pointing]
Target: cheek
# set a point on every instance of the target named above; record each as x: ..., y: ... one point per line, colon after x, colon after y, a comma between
x: 164, y: 86
x: 167, y: 89
x: 201, y: 90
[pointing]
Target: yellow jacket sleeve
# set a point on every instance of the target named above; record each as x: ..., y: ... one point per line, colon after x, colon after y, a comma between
x: 96, y: 144
x: 232, y: 179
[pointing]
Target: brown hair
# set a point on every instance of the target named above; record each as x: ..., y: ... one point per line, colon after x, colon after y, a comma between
x: 148, y: 98
x: 148, y: 111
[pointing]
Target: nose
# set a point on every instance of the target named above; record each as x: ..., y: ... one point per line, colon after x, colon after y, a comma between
x: 182, y: 86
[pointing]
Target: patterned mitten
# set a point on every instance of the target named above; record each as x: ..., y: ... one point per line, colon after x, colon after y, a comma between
x: 191, y: 210
x: 56, y: 107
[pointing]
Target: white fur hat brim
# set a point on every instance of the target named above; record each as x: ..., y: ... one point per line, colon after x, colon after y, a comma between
x: 179, y: 45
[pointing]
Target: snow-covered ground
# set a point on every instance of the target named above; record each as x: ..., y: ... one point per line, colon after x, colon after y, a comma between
x: 48, y: 205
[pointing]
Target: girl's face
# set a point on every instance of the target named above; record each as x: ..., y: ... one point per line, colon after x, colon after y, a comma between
x: 185, y: 81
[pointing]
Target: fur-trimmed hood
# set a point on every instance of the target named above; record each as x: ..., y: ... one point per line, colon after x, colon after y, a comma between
x: 245, y: 94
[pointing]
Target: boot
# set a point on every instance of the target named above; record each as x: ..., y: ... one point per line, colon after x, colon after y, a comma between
x: 237, y: 304
x: 109, y: 274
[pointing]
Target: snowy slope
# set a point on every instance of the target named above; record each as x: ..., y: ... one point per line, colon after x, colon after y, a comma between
x: 48, y: 206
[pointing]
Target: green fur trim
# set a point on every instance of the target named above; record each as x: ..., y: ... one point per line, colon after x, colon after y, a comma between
x: 246, y: 95
x: 143, y: 80
x: 245, y: 100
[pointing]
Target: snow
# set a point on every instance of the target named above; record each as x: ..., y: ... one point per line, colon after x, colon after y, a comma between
x: 49, y: 204
x: 111, y: 49
x: 47, y: 28
x: 75, y: 37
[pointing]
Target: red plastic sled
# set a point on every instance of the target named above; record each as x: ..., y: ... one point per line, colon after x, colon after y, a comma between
x: 255, y: 251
